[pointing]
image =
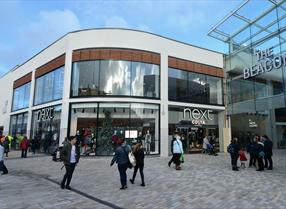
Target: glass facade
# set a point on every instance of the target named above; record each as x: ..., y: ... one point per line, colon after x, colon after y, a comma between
x: 98, y: 125
x: 115, y: 78
x: 194, y: 87
x: 18, y: 124
x: 49, y: 87
x: 21, y: 97
x: 256, y: 77
x: 45, y: 129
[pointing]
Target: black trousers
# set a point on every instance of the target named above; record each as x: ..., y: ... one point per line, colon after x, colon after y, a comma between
x: 122, y: 172
x: 3, y: 168
x: 24, y: 153
x: 268, y: 159
x: 141, y: 167
x: 260, y: 163
x: 68, y: 175
x: 234, y: 159
x: 252, y: 160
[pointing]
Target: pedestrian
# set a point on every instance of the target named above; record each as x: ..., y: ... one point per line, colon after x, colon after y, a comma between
x: 251, y: 149
x: 70, y: 155
x: 24, y: 145
x: 232, y: 149
x: 172, y: 142
x: 3, y: 168
x: 242, y: 157
x: 260, y: 154
x: 122, y: 160
x: 139, y: 156
x: 6, y: 145
x: 268, y: 145
x: 177, y: 150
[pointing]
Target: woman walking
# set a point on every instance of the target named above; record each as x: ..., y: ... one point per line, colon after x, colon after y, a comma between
x: 121, y: 158
x: 139, y: 156
x: 177, y: 150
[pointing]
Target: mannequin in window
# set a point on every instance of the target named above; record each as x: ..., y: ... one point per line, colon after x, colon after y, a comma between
x: 148, y: 138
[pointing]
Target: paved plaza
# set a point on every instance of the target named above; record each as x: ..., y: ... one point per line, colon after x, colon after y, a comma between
x: 204, y: 182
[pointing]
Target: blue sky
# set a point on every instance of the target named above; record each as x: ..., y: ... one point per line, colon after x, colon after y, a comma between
x: 31, y: 25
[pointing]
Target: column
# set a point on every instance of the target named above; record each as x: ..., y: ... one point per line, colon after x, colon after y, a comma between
x: 164, y: 106
x: 30, y: 112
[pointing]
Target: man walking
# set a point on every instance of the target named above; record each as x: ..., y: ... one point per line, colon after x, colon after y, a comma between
x: 70, y: 155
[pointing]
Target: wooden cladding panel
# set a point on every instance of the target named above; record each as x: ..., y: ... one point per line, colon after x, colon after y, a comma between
x: 195, y: 67
x: 52, y: 65
x: 23, y: 80
x: 116, y: 54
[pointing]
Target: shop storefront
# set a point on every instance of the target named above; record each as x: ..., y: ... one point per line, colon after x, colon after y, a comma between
x: 99, y: 125
x: 255, y: 70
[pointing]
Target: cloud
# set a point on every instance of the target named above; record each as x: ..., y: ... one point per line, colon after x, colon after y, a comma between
x: 116, y: 22
x: 35, y: 36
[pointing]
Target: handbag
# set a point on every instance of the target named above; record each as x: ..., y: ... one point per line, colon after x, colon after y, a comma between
x: 132, y: 159
x: 182, y: 158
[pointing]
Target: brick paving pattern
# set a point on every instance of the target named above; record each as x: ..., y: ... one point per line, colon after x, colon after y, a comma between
x: 205, y: 182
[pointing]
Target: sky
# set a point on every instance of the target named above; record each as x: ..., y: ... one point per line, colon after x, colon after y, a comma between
x: 28, y: 26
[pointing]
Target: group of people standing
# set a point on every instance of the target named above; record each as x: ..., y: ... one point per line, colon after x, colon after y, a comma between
x: 260, y: 152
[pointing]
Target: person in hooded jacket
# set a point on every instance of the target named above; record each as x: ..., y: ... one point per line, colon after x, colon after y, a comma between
x: 268, y: 145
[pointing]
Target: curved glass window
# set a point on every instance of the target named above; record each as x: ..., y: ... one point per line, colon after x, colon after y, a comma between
x: 21, y: 97
x: 99, y: 125
x: 49, y: 87
x: 115, y: 78
x: 194, y: 87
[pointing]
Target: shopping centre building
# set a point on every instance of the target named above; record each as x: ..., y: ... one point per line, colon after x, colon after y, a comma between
x: 255, y: 69
x: 106, y: 83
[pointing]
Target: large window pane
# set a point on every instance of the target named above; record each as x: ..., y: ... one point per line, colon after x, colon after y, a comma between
x: 115, y: 77
x: 198, y: 90
x: 178, y: 85
x: 21, y: 97
x: 145, y: 80
x: 49, y: 87
x: 85, y: 78
x: 214, y: 86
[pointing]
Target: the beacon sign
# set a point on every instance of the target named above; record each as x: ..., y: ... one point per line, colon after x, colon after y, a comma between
x: 266, y: 62
x: 198, y: 116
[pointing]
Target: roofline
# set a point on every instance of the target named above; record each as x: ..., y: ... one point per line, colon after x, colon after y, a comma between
x: 76, y: 31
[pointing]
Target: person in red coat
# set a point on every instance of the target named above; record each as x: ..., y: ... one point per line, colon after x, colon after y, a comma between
x: 24, y: 145
x: 242, y: 158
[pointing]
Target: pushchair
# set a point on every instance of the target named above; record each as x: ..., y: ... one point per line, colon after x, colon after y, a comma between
x: 211, y: 149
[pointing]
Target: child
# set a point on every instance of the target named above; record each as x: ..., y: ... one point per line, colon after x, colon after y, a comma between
x: 242, y: 157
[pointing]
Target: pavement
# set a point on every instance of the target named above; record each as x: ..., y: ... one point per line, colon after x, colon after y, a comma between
x: 205, y: 182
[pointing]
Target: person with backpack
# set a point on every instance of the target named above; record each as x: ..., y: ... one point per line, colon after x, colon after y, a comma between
x: 3, y: 168
x: 139, y: 156
x: 233, y: 150
x: 70, y: 155
x: 122, y: 160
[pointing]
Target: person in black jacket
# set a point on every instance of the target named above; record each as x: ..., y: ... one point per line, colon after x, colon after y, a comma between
x: 251, y: 149
x: 260, y: 154
x: 139, y: 156
x: 268, y: 152
x: 70, y: 155
x: 234, y: 153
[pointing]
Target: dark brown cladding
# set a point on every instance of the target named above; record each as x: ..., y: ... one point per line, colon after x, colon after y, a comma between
x: 50, y: 66
x: 116, y: 54
x: 194, y: 67
x: 23, y: 80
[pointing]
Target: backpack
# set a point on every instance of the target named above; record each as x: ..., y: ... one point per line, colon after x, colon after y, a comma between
x: 230, y: 148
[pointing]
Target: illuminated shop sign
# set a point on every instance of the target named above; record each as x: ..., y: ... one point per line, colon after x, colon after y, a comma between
x: 46, y: 114
x: 198, y: 116
x: 266, y: 63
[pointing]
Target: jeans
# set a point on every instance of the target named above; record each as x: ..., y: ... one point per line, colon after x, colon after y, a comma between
x: 122, y: 172
x: 3, y: 167
x: 68, y: 175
